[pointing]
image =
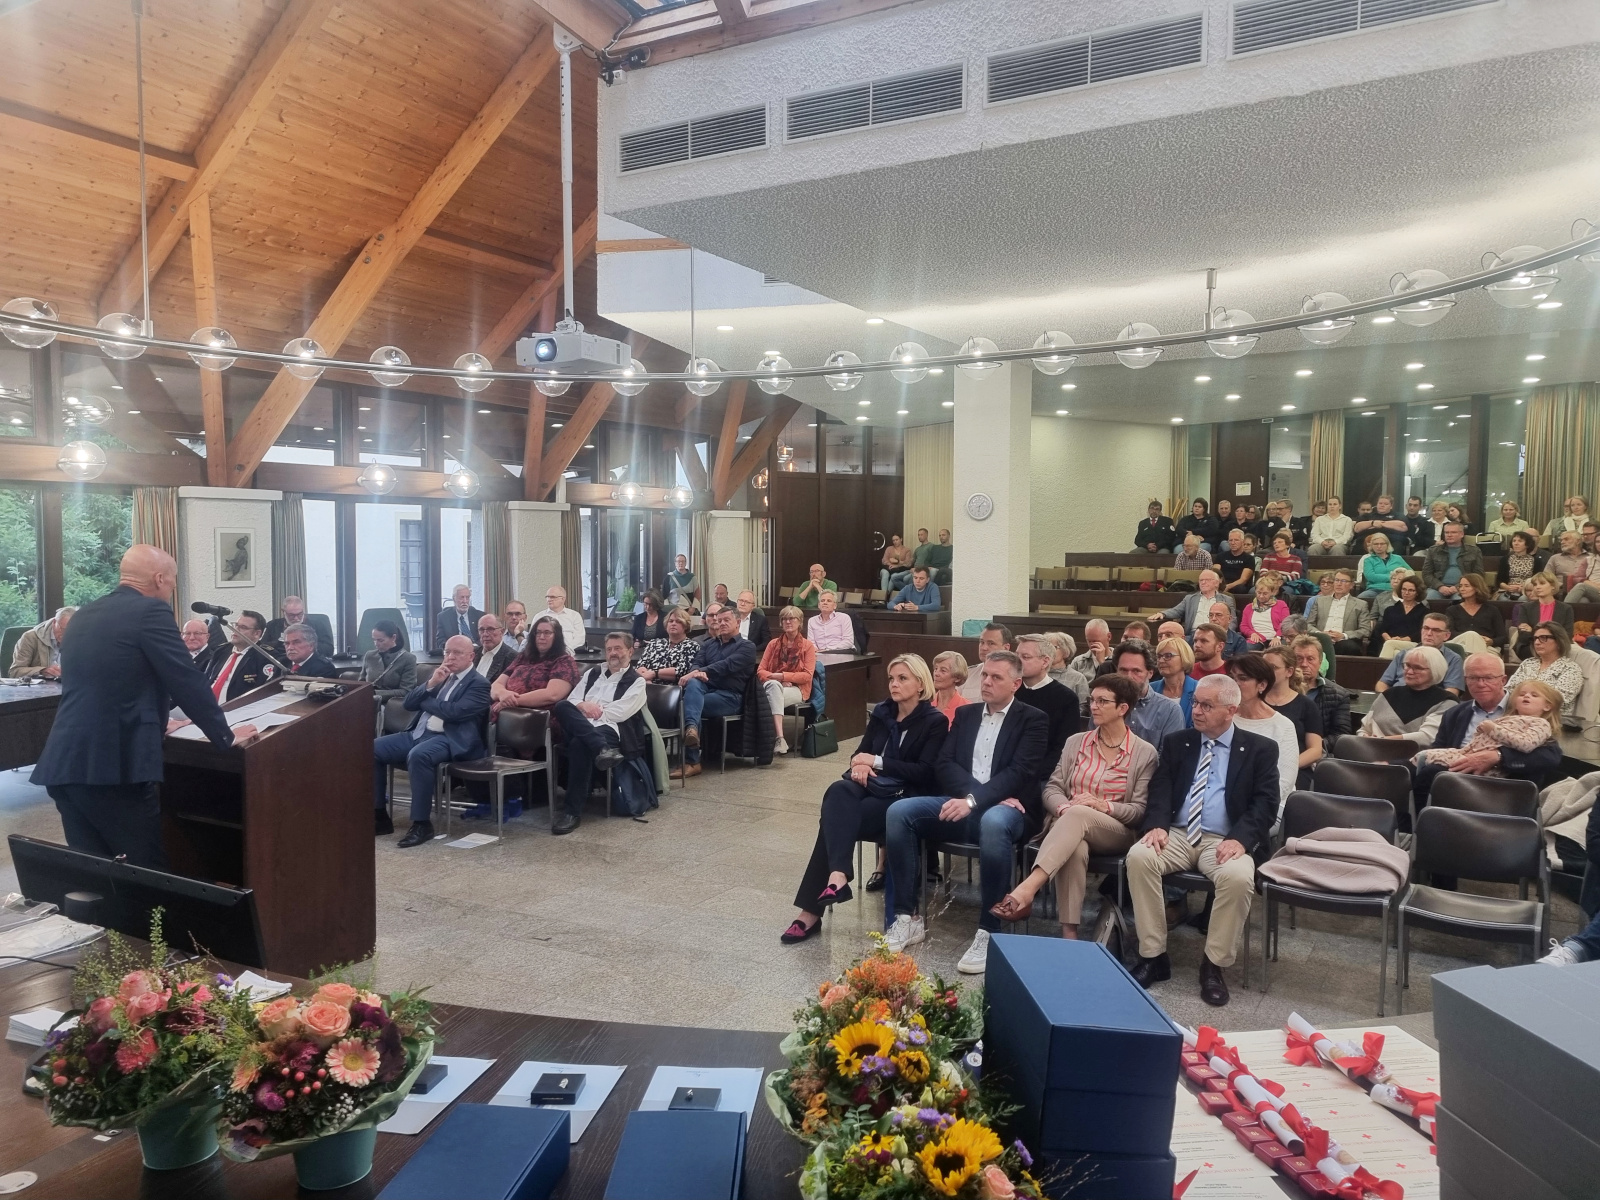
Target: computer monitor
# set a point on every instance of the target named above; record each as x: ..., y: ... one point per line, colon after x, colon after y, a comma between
x: 211, y: 917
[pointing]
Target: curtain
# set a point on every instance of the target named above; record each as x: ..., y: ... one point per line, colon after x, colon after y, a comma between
x: 1327, y: 454
x: 930, y: 480
x: 1178, y: 470
x: 497, y: 556
x: 757, y: 570
x: 700, y: 556
x: 155, y: 521
x: 572, y: 561
x: 288, y: 549
x: 1563, y: 440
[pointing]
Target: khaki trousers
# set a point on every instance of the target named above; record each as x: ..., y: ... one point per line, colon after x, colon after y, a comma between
x: 1234, y: 880
x: 1065, y: 851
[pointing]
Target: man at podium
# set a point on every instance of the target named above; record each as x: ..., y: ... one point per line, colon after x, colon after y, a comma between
x: 122, y: 670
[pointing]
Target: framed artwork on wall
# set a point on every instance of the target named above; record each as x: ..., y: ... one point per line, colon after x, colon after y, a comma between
x: 236, y: 558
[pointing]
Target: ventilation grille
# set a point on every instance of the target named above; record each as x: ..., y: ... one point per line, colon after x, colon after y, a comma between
x: 704, y: 137
x: 1097, y: 58
x: 771, y: 280
x: 1268, y: 24
x: 883, y: 102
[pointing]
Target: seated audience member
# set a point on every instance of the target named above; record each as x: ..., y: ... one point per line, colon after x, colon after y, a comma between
x: 752, y: 621
x: 1170, y: 629
x: 1332, y: 531
x: 715, y: 686
x: 1574, y: 567
x: 920, y: 595
x: 1375, y: 567
x: 1155, y: 534
x: 1383, y: 520
x: 197, y: 640
x: 1264, y: 616
x: 899, y: 753
x: 1136, y: 629
x: 601, y: 725
x: 787, y: 669
x: 989, y: 773
x: 1252, y: 548
x: 680, y: 587
x: 542, y: 675
x: 391, y: 670
x: 1062, y: 651
x: 1255, y: 677
x: 1201, y: 523
x: 949, y: 673
x: 1094, y: 801
x: 1174, y: 662
x: 1412, y: 712
x: 1235, y: 566
x: 1153, y: 716
x: 992, y: 637
x: 1097, y: 637
x: 896, y: 558
x: 1233, y: 643
x: 1429, y: 530
x: 300, y: 651
x: 1295, y: 627
x: 1208, y: 642
x: 1477, y: 612
x: 1435, y: 632
x: 1574, y: 512
x: 1283, y: 560
x: 1444, y: 565
x: 809, y: 593
x: 494, y: 655
x: 1391, y: 594
x: 1459, y: 515
x: 919, y: 558
x: 1301, y: 526
x: 38, y: 651
x: 1456, y: 746
x: 1332, y: 701
x: 1288, y: 699
x: 647, y: 621
x: 1539, y: 603
x: 1549, y: 664
x: 459, y: 620
x: 515, y: 622
x: 1058, y: 702
x: 1229, y: 518
x: 1581, y: 947
x: 571, y: 622
x: 939, y: 556
x: 243, y: 666
x: 666, y: 659
x: 1510, y: 522
x: 1591, y: 530
x: 450, y: 707
x: 1195, y: 608
x: 1274, y: 522
x: 719, y: 595
x: 1190, y: 555
x: 293, y: 612
x: 1363, y: 509
x: 1401, y: 619
x: 831, y: 629
x: 1212, y: 801
x: 1343, y: 617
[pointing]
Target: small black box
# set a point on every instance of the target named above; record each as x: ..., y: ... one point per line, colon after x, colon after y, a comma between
x: 690, y: 1099
x: 557, y: 1087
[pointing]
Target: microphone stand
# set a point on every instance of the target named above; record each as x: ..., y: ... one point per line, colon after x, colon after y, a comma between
x: 265, y: 653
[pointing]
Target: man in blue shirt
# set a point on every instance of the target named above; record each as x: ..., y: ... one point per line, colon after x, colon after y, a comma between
x: 1155, y: 716
x: 1445, y: 564
x: 920, y: 595
x: 715, y: 687
x: 1435, y: 633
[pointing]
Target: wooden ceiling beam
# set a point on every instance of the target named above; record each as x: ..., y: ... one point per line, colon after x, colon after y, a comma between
x: 595, y: 23
x: 727, y: 442
x: 634, y: 245
x: 533, y: 444
x: 755, y: 450
x: 514, y: 321
x: 212, y: 408
x: 75, y: 139
x: 376, y: 261
x: 734, y: 13
x: 38, y: 463
x: 480, y: 255
x: 768, y: 18
x: 683, y: 445
x: 573, y: 435
x: 277, y: 56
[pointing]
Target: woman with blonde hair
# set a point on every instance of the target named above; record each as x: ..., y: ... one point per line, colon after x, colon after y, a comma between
x: 1532, y: 719
x: 1174, y: 658
x: 787, y: 667
x: 949, y: 673
x: 1376, y: 565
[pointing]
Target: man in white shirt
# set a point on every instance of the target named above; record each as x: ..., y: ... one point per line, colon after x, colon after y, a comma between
x: 555, y: 599
x: 831, y: 629
x: 495, y: 654
x: 752, y: 621
x: 600, y: 719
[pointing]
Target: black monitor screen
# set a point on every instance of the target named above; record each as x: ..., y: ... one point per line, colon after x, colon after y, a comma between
x: 208, y: 917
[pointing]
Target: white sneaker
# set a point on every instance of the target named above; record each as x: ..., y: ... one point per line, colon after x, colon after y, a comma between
x: 906, y: 931
x: 780, y: 747
x: 976, y: 959
x: 1561, y: 955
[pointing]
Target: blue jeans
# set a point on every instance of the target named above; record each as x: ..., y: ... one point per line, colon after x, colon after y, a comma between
x: 1586, y: 942
x: 996, y: 830
x: 421, y: 758
x: 1436, y: 594
x: 701, y: 701
x: 1370, y: 595
x: 894, y: 581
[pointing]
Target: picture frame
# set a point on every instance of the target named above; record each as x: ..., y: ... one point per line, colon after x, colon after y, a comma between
x: 236, y: 558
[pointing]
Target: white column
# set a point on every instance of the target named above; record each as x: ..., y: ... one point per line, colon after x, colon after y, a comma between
x: 211, y: 522
x: 992, y: 439
x: 535, y: 529
x: 726, y: 558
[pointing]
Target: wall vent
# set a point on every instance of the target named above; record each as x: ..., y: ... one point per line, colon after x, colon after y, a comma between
x: 1269, y: 24
x: 1097, y: 58
x: 881, y: 102
x: 771, y: 280
x: 704, y: 137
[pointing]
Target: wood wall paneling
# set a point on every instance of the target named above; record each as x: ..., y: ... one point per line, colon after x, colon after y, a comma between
x: 1241, y: 458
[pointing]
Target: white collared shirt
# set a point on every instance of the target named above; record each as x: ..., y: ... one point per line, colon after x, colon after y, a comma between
x: 486, y: 660
x: 615, y: 710
x: 988, y: 736
x: 571, y: 623
x: 436, y: 724
x: 1336, y: 613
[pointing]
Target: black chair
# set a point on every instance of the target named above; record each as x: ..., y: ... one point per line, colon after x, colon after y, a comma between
x: 523, y: 732
x: 1353, y: 747
x: 665, y: 702
x: 394, y: 717
x: 1307, y: 812
x: 1380, y: 781
x: 1485, y: 794
x: 369, y: 618
x: 1471, y: 845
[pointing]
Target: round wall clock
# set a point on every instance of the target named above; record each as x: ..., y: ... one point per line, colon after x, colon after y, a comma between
x: 980, y: 506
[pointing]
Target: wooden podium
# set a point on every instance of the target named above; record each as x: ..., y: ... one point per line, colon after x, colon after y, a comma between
x: 289, y: 816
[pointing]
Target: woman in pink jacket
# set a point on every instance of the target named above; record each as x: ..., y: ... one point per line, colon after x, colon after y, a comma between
x: 1263, y: 618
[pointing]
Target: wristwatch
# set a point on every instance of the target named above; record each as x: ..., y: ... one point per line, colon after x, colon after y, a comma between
x: 971, y: 803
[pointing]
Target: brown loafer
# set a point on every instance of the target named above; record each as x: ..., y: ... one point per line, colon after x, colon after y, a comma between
x: 1213, y: 988
x: 688, y: 772
x: 1009, y: 909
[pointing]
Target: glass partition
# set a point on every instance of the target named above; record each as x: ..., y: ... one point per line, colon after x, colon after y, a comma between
x: 19, y: 558
x: 17, y: 412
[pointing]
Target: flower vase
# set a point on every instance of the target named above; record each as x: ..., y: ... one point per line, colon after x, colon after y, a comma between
x: 336, y: 1161
x: 179, y: 1135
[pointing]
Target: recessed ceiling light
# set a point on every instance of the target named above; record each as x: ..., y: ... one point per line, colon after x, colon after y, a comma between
x: 159, y: 379
x: 874, y: 320
x: 555, y: 425
x: 1231, y: 396
x: 1069, y: 387
x: 586, y: 445
x: 1415, y: 366
x: 366, y: 408
x: 319, y: 429
x: 1303, y: 372
x: 1369, y: 413
x: 1385, y: 319
x: 330, y: 441
x: 935, y: 370
x: 1358, y: 399
x: 902, y: 412
x: 1177, y: 420
x: 482, y: 411
x: 447, y: 436
x: 1534, y: 358
x: 864, y: 403
x: 1529, y: 379
x: 133, y: 412
x: 366, y: 439
x: 1061, y: 412
x: 1202, y: 379
x: 361, y: 427
x: 1462, y: 416
x: 116, y: 387
x: 1288, y: 408
x: 1549, y: 304
x: 724, y: 328
x: 948, y: 403
x: 1519, y: 401
x: 811, y: 424
x: 1451, y: 424
x: 862, y: 417
x: 1440, y: 407
x: 1424, y: 387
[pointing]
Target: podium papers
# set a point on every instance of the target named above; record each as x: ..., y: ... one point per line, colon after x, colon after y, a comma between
x: 262, y: 721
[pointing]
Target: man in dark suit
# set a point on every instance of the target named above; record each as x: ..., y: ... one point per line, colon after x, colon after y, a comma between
x: 1212, y: 801
x: 234, y: 670
x: 1155, y: 534
x: 197, y: 640
x: 495, y: 654
x: 122, y: 669
x: 450, y: 707
x: 459, y: 619
x: 991, y: 771
x: 752, y: 621
x: 293, y: 612
x: 300, y: 651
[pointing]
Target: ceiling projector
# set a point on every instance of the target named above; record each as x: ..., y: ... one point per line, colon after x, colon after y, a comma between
x: 573, y: 350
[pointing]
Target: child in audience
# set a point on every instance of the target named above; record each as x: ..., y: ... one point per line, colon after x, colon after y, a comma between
x: 1532, y: 719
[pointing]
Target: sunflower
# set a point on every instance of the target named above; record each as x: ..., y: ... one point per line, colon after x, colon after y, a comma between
x: 913, y: 1065
x: 956, y: 1157
x: 862, y: 1040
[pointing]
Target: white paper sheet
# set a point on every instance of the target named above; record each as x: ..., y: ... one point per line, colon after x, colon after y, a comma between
x: 30, y: 1028
x: 256, y: 708
x: 261, y: 988
x: 597, y: 1084
x: 472, y: 840
x: 740, y: 1087
x: 262, y: 721
x: 416, y: 1113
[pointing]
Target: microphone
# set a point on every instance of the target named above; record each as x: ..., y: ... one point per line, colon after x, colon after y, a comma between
x: 216, y: 610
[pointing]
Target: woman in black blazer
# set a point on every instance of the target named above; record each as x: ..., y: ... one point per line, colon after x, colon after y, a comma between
x: 647, y: 623
x: 896, y: 757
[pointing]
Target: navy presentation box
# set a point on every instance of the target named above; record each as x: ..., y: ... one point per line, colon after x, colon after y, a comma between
x: 679, y: 1155
x: 1106, y: 1176
x: 1090, y: 1057
x: 487, y: 1152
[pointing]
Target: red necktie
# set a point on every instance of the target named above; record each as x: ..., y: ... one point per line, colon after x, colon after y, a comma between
x: 220, y: 685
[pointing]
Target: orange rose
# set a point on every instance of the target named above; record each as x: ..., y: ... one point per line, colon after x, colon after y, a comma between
x: 280, y: 1017
x: 325, y: 1021
x: 337, y: 993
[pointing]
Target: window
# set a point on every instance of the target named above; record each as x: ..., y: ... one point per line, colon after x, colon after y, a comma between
x: 1508, y: 453
x: 843, y: 446
x: 480, y: 437
x: 1437, y: 437
x: 888, y: 451
x: 1289, y: 462
x: 390, y: 431
x: 1199, y: 466
x: 19, y: 558
x: 312, y: 435
x: 96, y: 531
x: 797, y: 444
x: 461, y: 554
x: 16, y: 395
x: 322, y: 564
x: 390, y: 564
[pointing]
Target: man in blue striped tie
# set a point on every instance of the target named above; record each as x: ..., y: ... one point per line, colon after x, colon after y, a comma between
x: 1213, y: 800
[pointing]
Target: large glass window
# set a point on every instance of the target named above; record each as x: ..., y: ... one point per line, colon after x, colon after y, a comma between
x: 481, y: 436
x: 586, y: 544
x: 390, y: 431
x: 19, y: 558
x: 16, y: 394
x: 843, y: 446
x: 1508, y: 454
x: 322, y: 564
x: 1438, y: 440
x: 389, y: 563
x: 461, y: 554
x: 627, y: 557
x: 888, y: 451
x: 311, y: 436
x: 96, y: 530
x: 1289, y: 463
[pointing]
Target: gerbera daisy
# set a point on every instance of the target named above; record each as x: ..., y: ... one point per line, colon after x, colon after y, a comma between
x: 957, y: 1156
x: 352, y: 1062
x: 856, y: 1042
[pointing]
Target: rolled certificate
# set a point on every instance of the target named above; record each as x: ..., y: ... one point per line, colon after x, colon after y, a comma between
x: 1265, y: 1104
x: 1417, y: 1105
x: 1355, y: 1062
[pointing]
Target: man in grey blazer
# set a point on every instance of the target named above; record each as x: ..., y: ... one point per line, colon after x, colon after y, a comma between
x: 1346, y: 619
x: 1195, y: 608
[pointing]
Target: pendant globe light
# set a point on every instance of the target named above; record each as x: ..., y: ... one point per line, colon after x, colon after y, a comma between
x: 1525, y: 288
x: 1231, y: 345
x: 844, y: 380
x: 219, y: 340
x: 1420, y: 313
x: 391, y: 358
x: 978, y: 350
x: 628, y: 383
x: 1138, y: 357
x: 1053, y: 364
x: 81, y: 461
x: 1328, y: 330
x: 26, y: 336
x: 909, y: 354
x: 774, y: 379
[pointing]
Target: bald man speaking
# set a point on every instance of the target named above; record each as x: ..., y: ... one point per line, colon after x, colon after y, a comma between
x: 123, y: 668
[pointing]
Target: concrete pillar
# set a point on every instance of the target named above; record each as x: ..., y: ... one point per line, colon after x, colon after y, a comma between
x: 211, y: 522
x: 727, y: 555
x: 993, y: 428
x: 535, y: 529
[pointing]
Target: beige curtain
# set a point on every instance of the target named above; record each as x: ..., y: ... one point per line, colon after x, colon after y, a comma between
x: 700, y: 556
x: 155, y: 520
x: 1178, y: 471
x: 1563, y: 440
x: 1327, y: 454
x: 571, y: 560
x: 930, y: 480
x: 758, y: 569
x: 288, y: 549
x: 497, y: 556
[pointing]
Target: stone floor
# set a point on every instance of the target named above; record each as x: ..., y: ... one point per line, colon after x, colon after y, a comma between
x: 676, y: 920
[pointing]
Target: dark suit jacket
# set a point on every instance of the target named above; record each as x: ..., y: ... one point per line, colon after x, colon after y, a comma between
x: 500, y: 663
x: 122, y: 670
x: 254, y: 669
x: 463, y: 714
x: 1018, y: 768
x: 760, y: 633
x: 315, y: 667
x: 445, y: 626
x: 1251, y: 791
x: 273, y: 636
x: 1532, y: 766
x: 911, y: 759
x: 1160, y: 532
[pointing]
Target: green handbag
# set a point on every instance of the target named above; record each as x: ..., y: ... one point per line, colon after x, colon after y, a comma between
x: 818, y: 739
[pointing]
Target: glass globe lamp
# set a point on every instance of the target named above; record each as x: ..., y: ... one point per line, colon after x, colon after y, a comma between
x: 559, y: 387
x: 908, y: 355
x: 627, y: 493
x: 1420, y: 313
x: 1525, y: 288
x: 978, y: 349
x: 1231, y: 345
x: 390, y: 358
x: 474, y: 362
x: 680, y: 496
x: 81, y: 461
x: 628, y: 382
x: 125, y: 324
x: 1053, y: 364
x: 774, y: 379
x: 26, y: 336
x: 760, y: 480
x: 1138, y: 357
x: 845, y: 380
x: 305, y: 348
x: 461, y: 483
x: 1581, y: 228
x: 216, y: 339
x: 378, y: 479
x: 88, y: 410
x: 1327, y: 330
x: 703, y: 387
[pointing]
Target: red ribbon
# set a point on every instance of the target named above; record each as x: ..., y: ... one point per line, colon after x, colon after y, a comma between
x: 1182, y: 1186
x: 1268, y: 1085
x: 1205, y: 1038
x: 1229, y: 1054
x: 1361, y: 1181
x: 1422, y: 1103
x: 1301, y: 1052
x: 1316, y: 1140
x: 1372, y: 1049
x: 1238, y: 1104
x: 1292, y: 1118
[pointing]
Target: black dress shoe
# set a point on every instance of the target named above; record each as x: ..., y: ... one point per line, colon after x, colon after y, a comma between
x: 565, y: 823
x: 835, y: 895
x: 420, y: 831
x: 607, y: 759
x: 875, y: 882
x: 1213, y: 988
x: 1152, y: 970
x: 382, y: 822
x: 799, y: 931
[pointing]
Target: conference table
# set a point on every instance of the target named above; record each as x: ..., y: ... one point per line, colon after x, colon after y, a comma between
x: 79, y: 1163
x: 26, y: 713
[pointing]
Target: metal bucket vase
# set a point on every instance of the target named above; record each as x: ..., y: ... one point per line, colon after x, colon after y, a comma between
x: 180, y: 1135
x: 336, y: 1161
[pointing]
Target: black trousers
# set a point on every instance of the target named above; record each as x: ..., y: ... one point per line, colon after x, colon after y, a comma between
x: 113, y: 820
x: 850, y: 814
x: 582, y: 744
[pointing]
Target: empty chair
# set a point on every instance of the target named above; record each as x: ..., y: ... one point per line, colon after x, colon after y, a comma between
x: 1355, y: 748
x: 854, y: 599
x: 370, y: 617
x: 1136, y: 575
x: 1096, y: 576
x: 8, y: 645
x: 519, y: 731
x: 1485, y: 794
x: 1382, y: 781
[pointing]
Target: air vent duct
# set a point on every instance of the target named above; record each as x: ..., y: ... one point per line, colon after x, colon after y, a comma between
x: 704, y: 137
x: 882, y: 102
x: 1269, y: 24
x: 1097, y: 58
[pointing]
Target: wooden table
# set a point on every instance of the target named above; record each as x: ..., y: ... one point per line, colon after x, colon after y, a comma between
x: 70, y: 1162
x: 26, y: 714
x: 846, y: 679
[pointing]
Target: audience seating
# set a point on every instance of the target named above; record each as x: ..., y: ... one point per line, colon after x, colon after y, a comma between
x: 1353, y: 747
x: 394, y: 717
x: 1381, y: 781
x: 369, y: 618
x: 523, y: 731
x: 324, y: 628
x: 8, y: 645
x: 665, y: 701
x: 1485, y: 794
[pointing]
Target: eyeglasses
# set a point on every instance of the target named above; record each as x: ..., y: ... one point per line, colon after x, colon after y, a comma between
x: 1543, y: 637
x: 1484, y: 678
x: 1103, y: 700
x: 1167, y: 657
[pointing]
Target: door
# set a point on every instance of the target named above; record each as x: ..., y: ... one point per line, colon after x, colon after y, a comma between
x: 1240, y: 463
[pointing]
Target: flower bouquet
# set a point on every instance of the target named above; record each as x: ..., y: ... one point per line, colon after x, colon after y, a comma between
x: 148, y: 1050
x: 315, y: 1076
x: 912, y: 1152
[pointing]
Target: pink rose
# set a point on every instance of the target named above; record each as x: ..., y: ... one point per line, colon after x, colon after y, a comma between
x: 102, y: 1014
x: 337, y: 993
x: 994, y: 1185
x: 144, y: 1006
x: 835, y: 994
x: 279, y: 1017
x: 201, y: 995
x: 325, y: 1020
x: 136, y: 983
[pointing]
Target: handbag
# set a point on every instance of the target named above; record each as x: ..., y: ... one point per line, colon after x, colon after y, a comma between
x: 884, y: 787
x: 819, y: 739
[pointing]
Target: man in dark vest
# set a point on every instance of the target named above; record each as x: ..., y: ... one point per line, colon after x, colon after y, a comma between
x: 602, y: 725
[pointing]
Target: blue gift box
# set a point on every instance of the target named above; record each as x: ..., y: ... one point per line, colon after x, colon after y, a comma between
x: 1090, y: 1057
x: 1106, y: 1176
x: 679, y: 1155
x: 487, y: 1152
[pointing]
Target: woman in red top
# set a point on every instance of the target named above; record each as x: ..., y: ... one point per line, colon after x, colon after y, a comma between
x: 541, y: 676
x: 786, y: 670
x: 949, y: 673
x: 1283, y: 559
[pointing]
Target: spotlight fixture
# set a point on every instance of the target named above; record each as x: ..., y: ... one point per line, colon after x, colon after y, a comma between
x: 81, y: 461
x: 724, y: 328
x: 1440, y: 407
x: 1327, y: 331
x: 947, y: 403
x: 1424, y: 387
x: 862, y: 417
x: 1138, y: 357
x: 461, y: 483
x: 25, y: 336
x: 1548, y: 304
x: 378, y: 479
x: 978, y: 349
x: 217, y: 339
x: 1529, y: 379
x: 1069, y: 387
x: 1202, y: 379
x: 1231, y: 396
x: 303, y: 348
x: 1233, y: 345
x: 874, y: 320
x: 1420, y: 313
x: 1383, y: 319
x: 845, y: 380
x: 1358, y: 399
x: 864, y: 403
x: 1061, y: 412
x: 1177, y: 420
x: 902, y: 412
x: 1288, y: 408
x: 1053, y: 364
x: 389, y: 357
x: 935, y: 370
